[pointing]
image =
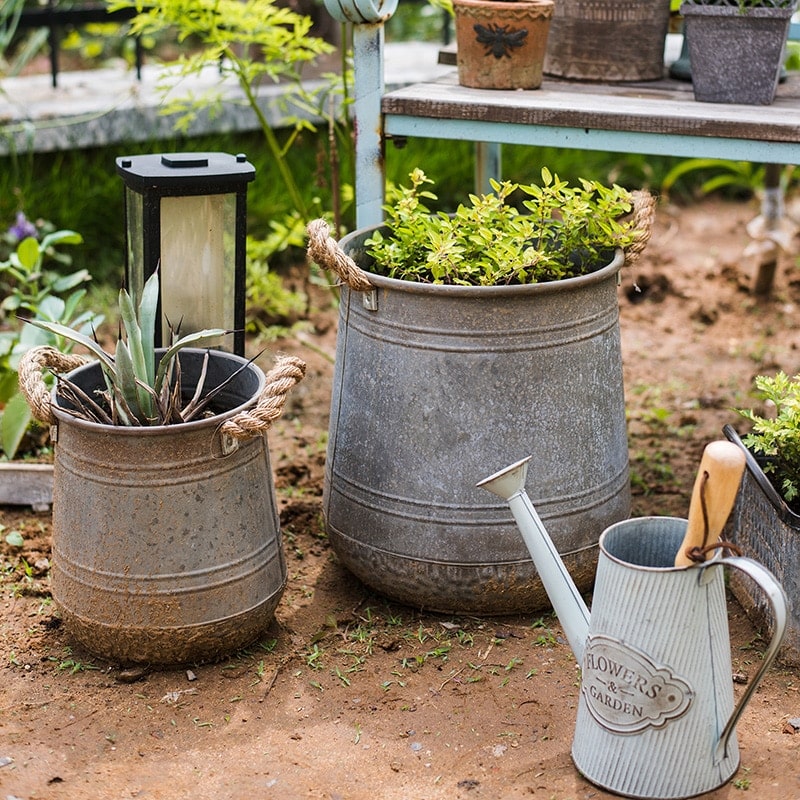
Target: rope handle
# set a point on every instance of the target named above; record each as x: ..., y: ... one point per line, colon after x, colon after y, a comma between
x: 31, y: 380
x: 325, y: 251
x: 284, y: 375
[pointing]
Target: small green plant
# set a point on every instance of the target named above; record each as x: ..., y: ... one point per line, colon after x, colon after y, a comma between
x: 141, y: 389
x: 777, y: 438
x: 50, y: 295
x: 567, y: 231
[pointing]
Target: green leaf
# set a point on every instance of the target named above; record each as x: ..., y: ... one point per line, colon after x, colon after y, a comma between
x: 13, y: 424
x: 78, y: 338
x: 61, y: 237
x: 148, y: 311
x: 126, y: 383
x: 14, y: 538
x: 186, y: 341
x: 28, y: 253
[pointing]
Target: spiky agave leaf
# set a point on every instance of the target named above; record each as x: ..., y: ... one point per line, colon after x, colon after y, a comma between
x: 191, y: 339
x: 136, y: 372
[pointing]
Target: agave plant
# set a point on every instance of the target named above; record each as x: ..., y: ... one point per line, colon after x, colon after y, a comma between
x: 140, y: 388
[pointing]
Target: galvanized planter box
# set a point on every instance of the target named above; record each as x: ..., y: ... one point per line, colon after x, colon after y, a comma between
x: 764, y: 527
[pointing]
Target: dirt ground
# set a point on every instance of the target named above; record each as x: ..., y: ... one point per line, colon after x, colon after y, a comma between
x: 351, y: 697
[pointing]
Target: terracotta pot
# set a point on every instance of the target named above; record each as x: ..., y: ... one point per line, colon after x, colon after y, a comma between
x: 501, y: 45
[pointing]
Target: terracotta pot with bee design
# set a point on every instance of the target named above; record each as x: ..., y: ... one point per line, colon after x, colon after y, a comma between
x: 501, y: 45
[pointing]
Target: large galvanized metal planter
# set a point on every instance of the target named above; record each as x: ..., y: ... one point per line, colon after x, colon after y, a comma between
x: 736, y: 56
x: 166, y: 541
x: 436, y: 385
x: 764, y: 527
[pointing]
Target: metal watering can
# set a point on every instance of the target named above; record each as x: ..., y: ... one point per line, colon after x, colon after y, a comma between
x: 656, y: 715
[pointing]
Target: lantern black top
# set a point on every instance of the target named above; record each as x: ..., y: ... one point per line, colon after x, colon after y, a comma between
x: 186, y: 173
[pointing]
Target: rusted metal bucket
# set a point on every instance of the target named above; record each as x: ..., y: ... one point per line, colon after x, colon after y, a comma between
x: 433, y: 382
x: 166, y: 539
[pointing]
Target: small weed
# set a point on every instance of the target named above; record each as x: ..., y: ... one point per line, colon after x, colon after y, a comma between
x: 314, y: 657
x: 72, y: 666
x: 744, y: 782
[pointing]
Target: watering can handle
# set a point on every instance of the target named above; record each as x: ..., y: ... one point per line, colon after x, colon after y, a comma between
x: 774, y: 591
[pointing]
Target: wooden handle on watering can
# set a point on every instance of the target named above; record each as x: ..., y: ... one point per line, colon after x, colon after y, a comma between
x: 713, y: 496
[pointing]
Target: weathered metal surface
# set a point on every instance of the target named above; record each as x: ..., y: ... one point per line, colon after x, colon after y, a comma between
x: 656, y: 715
x: 764, y: 527
x: 164, y: 552
x: 439, y: 384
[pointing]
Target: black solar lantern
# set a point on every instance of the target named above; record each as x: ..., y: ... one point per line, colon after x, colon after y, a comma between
x: 186, y: 215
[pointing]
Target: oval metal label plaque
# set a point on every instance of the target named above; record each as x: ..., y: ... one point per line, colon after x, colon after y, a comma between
x: 626, y: 692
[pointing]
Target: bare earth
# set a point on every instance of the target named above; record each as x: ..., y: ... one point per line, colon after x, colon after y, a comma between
x: 354, y: 698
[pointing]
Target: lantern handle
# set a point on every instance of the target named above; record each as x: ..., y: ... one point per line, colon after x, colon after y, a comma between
x: 287, y: 372
x: 31, y: 380
x: 325, y: 251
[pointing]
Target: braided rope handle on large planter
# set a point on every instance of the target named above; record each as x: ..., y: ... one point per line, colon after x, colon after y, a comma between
x: 643, y: 215
x: 284, y: 375
x: 31, y: 380
x: 325, y: 251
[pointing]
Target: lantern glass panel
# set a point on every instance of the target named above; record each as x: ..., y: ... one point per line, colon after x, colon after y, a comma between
x: 134, y: 209
x: 198, y: 262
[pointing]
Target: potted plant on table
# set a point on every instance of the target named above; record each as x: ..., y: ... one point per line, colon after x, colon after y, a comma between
x: 766, y: 518
x: 736, y: 48
x: 166, y: 546
x: 500, y: 44
x: 465, y: 342
x: 608, y: 40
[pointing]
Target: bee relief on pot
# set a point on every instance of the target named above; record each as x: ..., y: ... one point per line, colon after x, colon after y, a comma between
x: 626, y: 692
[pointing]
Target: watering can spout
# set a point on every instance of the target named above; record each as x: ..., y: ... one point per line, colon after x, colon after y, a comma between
x: 568, y: 604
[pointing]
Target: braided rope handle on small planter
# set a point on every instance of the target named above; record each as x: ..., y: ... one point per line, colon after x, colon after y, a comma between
x: 286, y: 373
x: 643, y: 215
x: 324, y: 250
x: 31, y: 380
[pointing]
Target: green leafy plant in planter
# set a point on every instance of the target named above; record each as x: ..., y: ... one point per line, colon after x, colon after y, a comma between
x: 563, y: 231
x: 776, y: 439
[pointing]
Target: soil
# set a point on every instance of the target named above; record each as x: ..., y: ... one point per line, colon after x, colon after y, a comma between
x: 352, y: 697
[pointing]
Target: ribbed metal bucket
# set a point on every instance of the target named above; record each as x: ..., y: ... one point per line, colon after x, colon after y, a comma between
x: 437, y: 386
x: 608, y: 40
x: 164, y: 549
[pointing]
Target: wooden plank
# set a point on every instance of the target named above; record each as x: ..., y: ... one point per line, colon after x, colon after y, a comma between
x: 661, y: 107
x: 23, y: 484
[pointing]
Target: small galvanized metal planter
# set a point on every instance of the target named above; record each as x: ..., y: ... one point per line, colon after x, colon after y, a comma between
x: 431, y: 384
x: 762, y: 524
x: 166, y: 540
